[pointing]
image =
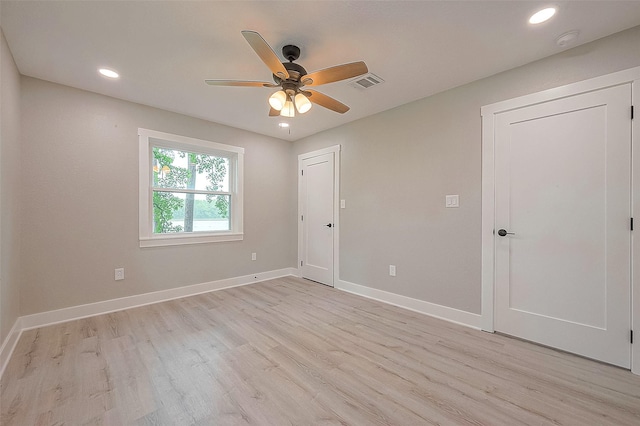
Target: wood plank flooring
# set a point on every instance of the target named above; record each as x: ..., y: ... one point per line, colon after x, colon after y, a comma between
x: 288, y: 351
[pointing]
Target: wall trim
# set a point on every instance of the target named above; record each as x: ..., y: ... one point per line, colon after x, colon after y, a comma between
x: 446, y: 313
x: 43, y: 319
x: 9, y: 344
x: 104, y: 307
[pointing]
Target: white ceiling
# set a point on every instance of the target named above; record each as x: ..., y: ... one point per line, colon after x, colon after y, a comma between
x: 165, y: 50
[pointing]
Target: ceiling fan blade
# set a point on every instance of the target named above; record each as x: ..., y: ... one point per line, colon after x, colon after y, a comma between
x: 326, y: 101
x: 268, y: 56
x: 238, y: 83
x: 274, y: 112
x: 337, y: 73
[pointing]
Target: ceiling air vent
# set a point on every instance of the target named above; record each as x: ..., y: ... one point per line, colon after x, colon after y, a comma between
x: 367, y: 81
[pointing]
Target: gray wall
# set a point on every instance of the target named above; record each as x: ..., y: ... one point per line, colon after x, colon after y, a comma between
x: 78, y: 193
x: 398, y: 166
x: 80, y: 202
x: 9, y: 190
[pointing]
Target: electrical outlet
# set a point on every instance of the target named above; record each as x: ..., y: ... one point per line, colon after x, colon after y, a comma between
x: 452, y: 201
x: 392, y: 270
x: 119, y: 274
x: 253, y: 256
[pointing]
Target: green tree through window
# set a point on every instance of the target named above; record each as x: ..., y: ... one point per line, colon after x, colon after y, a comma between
x: 174, y: 170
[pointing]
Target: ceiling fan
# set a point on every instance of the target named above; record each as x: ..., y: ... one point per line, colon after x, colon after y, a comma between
x: 292, y: 79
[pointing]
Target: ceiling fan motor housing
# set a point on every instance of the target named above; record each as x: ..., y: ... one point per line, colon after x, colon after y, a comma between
x: 296, y: 72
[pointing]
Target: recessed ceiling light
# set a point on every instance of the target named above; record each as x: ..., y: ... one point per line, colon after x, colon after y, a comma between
x: 108, y: 73
x: 283, y: 125
x: 542, y: 16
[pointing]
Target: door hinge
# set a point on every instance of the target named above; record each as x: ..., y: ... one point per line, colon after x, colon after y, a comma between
x: 301, y: 263
x: 302, y: 219
x: 632, y: 224
x: 302, y: 171
x: 631, y: 336
x: 632, y: 112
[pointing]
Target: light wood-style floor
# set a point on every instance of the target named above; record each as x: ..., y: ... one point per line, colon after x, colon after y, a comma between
x: 289, y: 351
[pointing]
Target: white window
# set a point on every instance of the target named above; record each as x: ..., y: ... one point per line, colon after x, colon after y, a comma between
x: 190, y: 190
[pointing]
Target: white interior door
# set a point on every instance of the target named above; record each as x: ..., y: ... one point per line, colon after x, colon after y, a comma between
x: 562, y: 188
x: 317, y: 218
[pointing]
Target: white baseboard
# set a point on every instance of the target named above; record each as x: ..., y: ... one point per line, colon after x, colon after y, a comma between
x: 9, y: 344
x: 438, y: 311
x: 82, y: 311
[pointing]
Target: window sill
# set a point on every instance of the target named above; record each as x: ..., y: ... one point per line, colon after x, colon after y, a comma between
x: 177, y: 240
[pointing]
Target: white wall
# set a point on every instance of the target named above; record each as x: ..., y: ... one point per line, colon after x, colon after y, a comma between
x: 9, y: 190
x: 398, y: 166
x: 80, y: 202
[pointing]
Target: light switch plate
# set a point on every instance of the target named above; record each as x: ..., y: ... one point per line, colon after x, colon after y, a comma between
x: 343, y: 204
x: 452, y: 201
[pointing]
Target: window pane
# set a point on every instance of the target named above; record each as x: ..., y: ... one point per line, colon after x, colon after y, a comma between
x: 187, y: 170
x: 180, y: 212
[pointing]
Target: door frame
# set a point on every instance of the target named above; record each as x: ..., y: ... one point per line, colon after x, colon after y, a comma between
x: 336, y: 207
x: 488, y: 114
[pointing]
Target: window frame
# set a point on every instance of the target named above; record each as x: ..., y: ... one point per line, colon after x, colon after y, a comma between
x: 147, y: 139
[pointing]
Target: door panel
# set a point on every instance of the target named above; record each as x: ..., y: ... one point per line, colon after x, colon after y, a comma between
x: 563, y: 188
x: 317, y: 192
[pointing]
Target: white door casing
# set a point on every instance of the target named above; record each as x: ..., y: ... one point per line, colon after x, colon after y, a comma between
x: 317, y: 215
x: 601, y: 315
x: 562, y: 182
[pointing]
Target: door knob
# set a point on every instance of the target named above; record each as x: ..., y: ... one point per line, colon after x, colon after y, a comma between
x: 329, y: 225
x: 503, y: 232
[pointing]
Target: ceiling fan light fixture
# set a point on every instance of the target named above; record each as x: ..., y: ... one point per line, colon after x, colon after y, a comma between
x: 278, y: 100
x: 288, y: 110
x: 303, y: 104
